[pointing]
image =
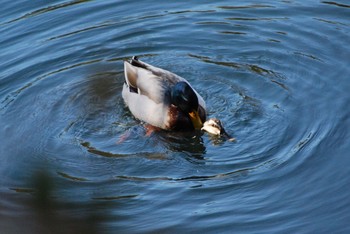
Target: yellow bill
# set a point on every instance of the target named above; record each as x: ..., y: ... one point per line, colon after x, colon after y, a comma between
x: 196, y: 120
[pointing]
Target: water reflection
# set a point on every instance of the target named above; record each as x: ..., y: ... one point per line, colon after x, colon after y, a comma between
x: 274, y: 73
x: 189, y: 144
x: 46, y: 211
x: 336, y: 4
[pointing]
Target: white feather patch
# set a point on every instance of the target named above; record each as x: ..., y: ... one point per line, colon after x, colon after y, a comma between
x: 145, y: 109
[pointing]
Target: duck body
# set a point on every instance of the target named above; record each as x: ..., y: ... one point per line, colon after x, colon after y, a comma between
x: 161, y: 98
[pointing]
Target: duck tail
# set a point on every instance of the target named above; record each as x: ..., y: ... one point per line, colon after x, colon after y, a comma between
x: 137, y: 63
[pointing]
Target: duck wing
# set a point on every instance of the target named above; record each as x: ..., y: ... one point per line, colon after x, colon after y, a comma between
x: 149, y: 80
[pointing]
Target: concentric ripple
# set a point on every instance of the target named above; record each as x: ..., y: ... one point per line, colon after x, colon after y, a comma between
x: 275, y: 74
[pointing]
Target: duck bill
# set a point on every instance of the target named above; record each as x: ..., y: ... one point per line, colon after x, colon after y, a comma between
x: 196, y: 120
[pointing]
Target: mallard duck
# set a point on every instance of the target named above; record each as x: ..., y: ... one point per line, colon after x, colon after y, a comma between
x: 162, y: 98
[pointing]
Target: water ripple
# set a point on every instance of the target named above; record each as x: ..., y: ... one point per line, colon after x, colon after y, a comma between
x: 45, y: 10
x: 273, y: 72
x: 252, y: 6
x: 336, y: 4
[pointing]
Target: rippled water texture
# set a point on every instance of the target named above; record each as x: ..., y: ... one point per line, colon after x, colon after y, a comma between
x: 72, y: 155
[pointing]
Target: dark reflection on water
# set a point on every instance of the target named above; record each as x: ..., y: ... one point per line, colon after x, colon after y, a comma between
x: 73, y: 157
x: 336, y: 4
x: 45, y: 212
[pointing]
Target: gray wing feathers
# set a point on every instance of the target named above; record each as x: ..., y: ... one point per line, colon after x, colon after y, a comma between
x: 150, y: 81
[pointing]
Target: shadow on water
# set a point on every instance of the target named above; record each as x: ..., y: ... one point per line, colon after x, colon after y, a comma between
x: 189, y: 144
x: 43, y: 210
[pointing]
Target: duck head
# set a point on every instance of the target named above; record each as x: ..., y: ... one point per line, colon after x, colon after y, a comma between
x: 183, y: 96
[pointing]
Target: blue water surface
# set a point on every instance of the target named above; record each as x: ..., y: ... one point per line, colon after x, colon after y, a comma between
x: 73, y: 159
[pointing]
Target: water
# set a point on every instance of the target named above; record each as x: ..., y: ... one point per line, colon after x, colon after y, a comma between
x: 275, y: 72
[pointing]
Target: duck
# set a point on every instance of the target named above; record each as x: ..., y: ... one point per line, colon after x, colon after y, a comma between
x: 161, y: 98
